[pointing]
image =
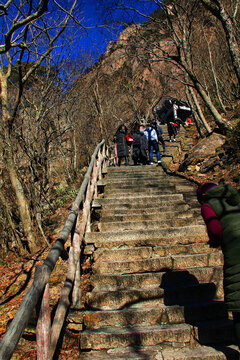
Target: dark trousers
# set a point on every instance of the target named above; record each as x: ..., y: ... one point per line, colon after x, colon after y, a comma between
x: 153, y: 145
x: 236, y: 324
x: 120, y: 160
x: 160, y: 139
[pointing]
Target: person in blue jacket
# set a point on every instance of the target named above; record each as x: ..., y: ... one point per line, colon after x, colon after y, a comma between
x: 152, y: 137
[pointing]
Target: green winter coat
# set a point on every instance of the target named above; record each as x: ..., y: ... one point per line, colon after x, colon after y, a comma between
x: 225, y: 202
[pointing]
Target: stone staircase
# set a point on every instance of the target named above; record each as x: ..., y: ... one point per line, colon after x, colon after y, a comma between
x: 156, y: 285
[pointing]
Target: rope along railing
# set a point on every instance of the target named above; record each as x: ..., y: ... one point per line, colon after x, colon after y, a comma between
x: 37, y: 297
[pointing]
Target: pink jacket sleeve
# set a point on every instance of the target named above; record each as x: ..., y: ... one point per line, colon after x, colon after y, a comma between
x: 214, y: 228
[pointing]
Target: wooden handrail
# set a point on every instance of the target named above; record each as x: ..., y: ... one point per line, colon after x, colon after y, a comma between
x: 47, y: 334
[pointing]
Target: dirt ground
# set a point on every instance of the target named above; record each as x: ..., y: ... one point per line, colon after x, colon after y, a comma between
x: 16, y: 278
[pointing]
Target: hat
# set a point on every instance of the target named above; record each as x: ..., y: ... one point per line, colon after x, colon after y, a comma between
x: 201, y: 190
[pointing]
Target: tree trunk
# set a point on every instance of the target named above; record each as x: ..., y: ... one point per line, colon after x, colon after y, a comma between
x: 199, y: 111
x: 220, y: 121
x: 22, y: 203
x: 195, y: 115
x: 214, y: 74
x: 11, y: 224
x: 217, y: 9
x: 12, y: 172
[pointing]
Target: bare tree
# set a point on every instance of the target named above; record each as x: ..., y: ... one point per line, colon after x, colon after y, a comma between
x: 29, y: 35
x: 228, y: 14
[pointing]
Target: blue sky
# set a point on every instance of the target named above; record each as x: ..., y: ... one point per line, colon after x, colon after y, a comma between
x: 94, y: 14
x: 101, y: 23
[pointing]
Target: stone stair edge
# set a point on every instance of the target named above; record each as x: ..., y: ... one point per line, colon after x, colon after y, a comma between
x: 157, y: 353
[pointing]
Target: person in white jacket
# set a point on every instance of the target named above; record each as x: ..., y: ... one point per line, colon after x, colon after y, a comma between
x: 152, y: 137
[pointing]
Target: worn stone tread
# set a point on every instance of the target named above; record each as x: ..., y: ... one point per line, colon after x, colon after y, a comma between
x: 148, y: 224
x: 146, y: 252
x: 163, y: 263
x: 165, y: 294
x: 191, y: 275
x: 157, y: 353
x: 154, y: 315
x: 144, y: 336
x: 172, y: 232
x: 151, y: 215
x: 140, y: 209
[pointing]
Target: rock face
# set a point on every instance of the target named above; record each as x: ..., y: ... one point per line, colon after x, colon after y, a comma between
x: 204, y: 151
x: 156, y: 284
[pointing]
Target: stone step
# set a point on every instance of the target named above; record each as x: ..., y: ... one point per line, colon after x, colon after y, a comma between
x: 182, y: 235
x: 138, y: 171
x: 155, y: 315
x: 147, y: 336
x: 138, y: 190
x: 150, y: 189
x: 171, y: 263
x: 146, y: 252
x: 148, y: 172
x: 166, y: 209
x: 157, y: 353
x: 152, y: 215
x: 121, y: 171
x: 175, y: 336
x: 148, y: 224
x: 191, y: 276
x: 181, y: 295
x: 141, y: 202
x: 144, y: 198
x: 144, y: 180
x: 147, y: 192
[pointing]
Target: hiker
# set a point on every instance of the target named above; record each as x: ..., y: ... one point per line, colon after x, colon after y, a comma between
x: 189, y: 121
x: 172, y: 131
x: 159, y: 132
x: 140, y: 146
x: 121, y: 145
x: 221, y: 213
x: 152, y: 137
x: 177, y: 123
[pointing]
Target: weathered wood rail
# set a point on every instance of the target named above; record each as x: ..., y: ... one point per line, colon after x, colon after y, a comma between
x: 47, y: 333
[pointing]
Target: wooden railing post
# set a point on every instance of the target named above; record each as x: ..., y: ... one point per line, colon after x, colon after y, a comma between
x: 86, y: 209
x: 43, y: 327
x: 76, y: 294
x: 63, y: 304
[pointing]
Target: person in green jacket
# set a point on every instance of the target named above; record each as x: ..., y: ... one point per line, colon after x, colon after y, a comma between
x: 220, y: 208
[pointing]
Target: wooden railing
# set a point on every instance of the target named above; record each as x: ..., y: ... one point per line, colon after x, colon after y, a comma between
x: 37, y: 297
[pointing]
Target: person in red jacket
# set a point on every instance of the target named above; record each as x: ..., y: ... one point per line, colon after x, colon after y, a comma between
x: 214, y: 228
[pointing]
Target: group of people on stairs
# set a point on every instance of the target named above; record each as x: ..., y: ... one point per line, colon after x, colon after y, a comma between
x: 143, y: 142
x: 220, y: 209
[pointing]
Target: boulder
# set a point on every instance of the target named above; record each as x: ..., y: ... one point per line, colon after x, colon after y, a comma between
x: 205, y: 149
